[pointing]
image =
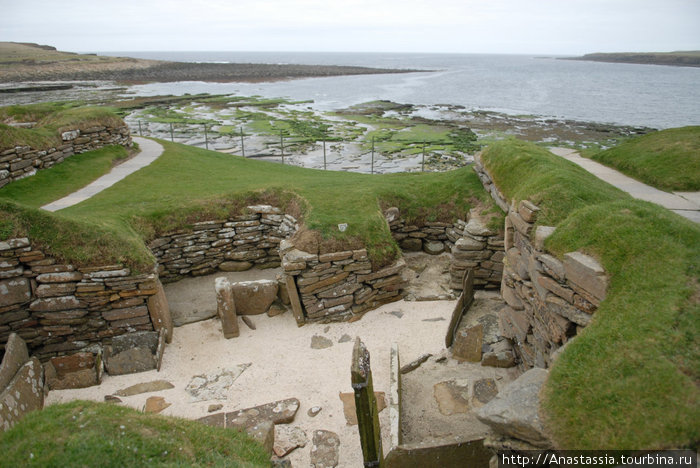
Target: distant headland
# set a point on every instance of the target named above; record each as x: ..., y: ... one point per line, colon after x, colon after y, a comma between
x: 688, y: 58
x: 33, y: 62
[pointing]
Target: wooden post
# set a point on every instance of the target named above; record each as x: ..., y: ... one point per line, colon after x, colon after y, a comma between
x: 422, y: 164
x: 171, y: 132
x: 366, y: 407
x: 206, y: 137
x: 282, y: 145
x: 372, y: 170
x: 140, y: 132
x: 324, y: 155
x: 242, y: 146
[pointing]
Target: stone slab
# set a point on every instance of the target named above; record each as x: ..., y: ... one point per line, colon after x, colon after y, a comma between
x: 24, y: 393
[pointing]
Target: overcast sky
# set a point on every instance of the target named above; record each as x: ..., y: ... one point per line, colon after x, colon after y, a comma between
x: 468, y: 26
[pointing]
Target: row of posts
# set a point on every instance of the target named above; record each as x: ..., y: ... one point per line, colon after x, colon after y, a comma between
x: 206, y: 143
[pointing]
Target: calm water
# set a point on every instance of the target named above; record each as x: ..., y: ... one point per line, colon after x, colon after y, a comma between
x: 648, y: 95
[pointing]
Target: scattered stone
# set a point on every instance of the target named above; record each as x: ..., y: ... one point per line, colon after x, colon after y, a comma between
x: 277, y: 462
x: 248, y: 322
x: 433, y: 247
x: 324, y: 451
x: 214, y: 386
x: 396, y: 313
x: 132, y: 352
x: 155, y: 404
x: 112, y: 399
x: 226, y: 307
x: 278, y: 412
x: 313, y: 411
x: 485, y: 390
x: 288, y: 438
x: 320, y: 342
x: 348, y: 400
x: 345, y: 338
x: 452, y: 396
x: 515, y: 411
x: 214, y: 407
x: 413, y: 365
x: 467, y: 344
x: 277, y: 308
x: 441, y: 359
x: 146, y: 387
x: 435, y: 319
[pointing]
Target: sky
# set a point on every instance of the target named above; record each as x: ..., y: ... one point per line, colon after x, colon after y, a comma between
x: 556, y: 27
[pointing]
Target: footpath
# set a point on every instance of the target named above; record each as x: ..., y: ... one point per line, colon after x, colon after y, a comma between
x: 150, y: 151
x: 686, y: 204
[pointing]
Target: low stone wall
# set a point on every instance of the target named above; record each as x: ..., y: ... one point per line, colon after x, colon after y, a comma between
x: 235, y: 244
x: 59, y: 309
x: 335, y: 286
x: 549, y: 299
x: 23, y: 161
x: 473, y: 245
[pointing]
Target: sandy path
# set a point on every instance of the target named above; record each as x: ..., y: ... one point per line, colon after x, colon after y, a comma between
x: 285, y: 366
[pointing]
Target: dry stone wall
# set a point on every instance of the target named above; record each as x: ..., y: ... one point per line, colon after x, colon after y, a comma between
x: 549, y: 299
x: 23, y: 161
x: 473, y: 246
x: 337, y: 285
x: 235, y: 244
x: 60, y: 309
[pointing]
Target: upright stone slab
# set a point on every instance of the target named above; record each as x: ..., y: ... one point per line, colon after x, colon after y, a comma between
x: 226, y: 308
x: 468, y: 343
x: 25, y: 393
x: 463, y: 304
x: 132, y: 352
x: 16, y: 355
x: 159, y: 310
x: 586, y: 275
x: 293, y: 293
x: 366, y: 406
x: 254, y: 297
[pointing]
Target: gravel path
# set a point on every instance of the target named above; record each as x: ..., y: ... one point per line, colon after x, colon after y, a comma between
x: 686, y: 204
x: 150, y: 151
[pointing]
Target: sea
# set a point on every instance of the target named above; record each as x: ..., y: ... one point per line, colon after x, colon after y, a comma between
x: 653, y: 96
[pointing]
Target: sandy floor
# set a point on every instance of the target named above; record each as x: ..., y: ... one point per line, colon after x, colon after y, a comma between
x: 283, y: 365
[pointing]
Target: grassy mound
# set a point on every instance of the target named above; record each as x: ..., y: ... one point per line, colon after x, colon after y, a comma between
x: 668, y: 160
x: 51, y: 119
x: 84, y: 433
x: 188, y: 184
x: 629, y: 380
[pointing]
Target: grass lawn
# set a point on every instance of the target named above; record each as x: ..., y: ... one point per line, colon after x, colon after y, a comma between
x: 84, y: 433
x: 668, y: 160
x: 65, y: 178
x: 188, y: 184
x: 629, y: 380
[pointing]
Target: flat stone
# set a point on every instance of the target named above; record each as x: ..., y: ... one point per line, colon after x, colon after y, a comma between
x: 130, y: 361
x: 320, y: 342
x: 324, y: 450
x: 500, y: 355
x: 235, y: 266
x: 205, y: 387
x: 452, y: 396
x: 288, y: 438
x: 345, y: 338
x: 277, y: 308
x: 415, y: 364
x: 54, y: 304
x: 145, y: 387
x: 467, y: 243
x: 584, y: 272
x: 112, y: 399
x: 60, y: 277
x: 485, y: 390
x: 515, y: 411
x: 254, y: 297
x: 467, y: 343
x: 277, y: 412
x: 155, y: 404
x: 433, y: 247
x: 476, y: 227
x: 14, y: 291
x: 349, y: 410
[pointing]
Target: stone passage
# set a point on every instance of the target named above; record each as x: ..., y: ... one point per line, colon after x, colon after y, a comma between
x: 548, y: 299
x: 23, y: 161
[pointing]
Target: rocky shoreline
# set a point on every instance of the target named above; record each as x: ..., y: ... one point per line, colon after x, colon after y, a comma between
x: 145, y: 71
